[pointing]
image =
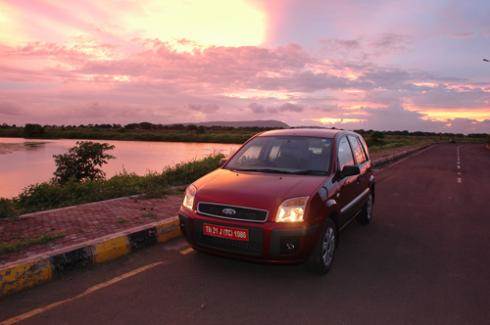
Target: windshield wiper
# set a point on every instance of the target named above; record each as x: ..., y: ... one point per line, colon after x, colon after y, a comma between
x: 281, y: 171
x: 266, y: 170
x: 309, y: 172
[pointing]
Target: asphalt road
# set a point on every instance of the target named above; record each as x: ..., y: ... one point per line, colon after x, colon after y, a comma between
x: 426, y: 259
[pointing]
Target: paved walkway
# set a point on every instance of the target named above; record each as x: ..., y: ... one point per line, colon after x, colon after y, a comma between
x: 84, y: 222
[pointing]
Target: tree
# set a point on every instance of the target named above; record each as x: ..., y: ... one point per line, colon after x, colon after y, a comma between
x: 82, y: 162
x: 32, y: 130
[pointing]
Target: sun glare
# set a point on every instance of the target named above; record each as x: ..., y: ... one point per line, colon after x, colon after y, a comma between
x: 441, y: 115
x: 336, y: 120
x: 212, y: 22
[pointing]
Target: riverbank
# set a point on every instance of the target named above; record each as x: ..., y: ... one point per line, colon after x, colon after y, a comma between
x: 167, y: 134
x: 24, y: 162
x: 47, y: 195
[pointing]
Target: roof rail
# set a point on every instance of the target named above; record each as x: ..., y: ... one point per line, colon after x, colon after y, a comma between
x: 316, y: 127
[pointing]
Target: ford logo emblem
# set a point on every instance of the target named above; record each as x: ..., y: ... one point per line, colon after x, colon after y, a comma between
x: 229, y: 211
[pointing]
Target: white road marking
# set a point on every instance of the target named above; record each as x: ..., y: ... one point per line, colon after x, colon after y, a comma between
x: 458, y: 165
x: 186, y: 251
x: 87, y: 292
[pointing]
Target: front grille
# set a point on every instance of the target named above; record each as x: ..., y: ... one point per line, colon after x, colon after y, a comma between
x: 238, y: 213
x: 253, y: 247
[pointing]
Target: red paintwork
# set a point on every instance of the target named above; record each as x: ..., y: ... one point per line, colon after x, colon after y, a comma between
x: 268, y: 191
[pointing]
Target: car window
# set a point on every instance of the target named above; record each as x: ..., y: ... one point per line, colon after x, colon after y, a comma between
x: 293, y: 154
x: 250, y: 154
x: 357, y: 149
x: 364, y: 146
x: 345, y: 153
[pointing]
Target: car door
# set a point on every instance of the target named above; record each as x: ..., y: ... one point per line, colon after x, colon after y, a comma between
x: 362, y: 180
x: 348, y: 186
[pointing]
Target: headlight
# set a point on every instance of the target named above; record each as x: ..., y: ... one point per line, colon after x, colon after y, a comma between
x: 292, y: 210
x: 190, y: 194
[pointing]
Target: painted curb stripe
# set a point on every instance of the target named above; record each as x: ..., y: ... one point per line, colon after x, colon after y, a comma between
x: 111, y: 249
x: 24, y: 276
x: 21, y: 276
x: 168, y: 231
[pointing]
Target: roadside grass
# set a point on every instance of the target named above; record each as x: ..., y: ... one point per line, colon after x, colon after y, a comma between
x: 18, y: 245
x: 50, y: 195
x: 393, y: 142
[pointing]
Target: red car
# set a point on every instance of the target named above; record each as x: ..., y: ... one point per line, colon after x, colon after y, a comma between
x: 282, y: 197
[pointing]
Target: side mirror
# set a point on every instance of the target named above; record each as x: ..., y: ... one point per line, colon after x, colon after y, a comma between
x: 222, y: 162
x: 349, y: 171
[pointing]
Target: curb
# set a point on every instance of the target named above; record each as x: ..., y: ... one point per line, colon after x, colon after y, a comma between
x: 32, y: 271
x: 379, y: 163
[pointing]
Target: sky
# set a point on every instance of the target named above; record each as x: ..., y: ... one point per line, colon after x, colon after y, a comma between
x: 373, y: 64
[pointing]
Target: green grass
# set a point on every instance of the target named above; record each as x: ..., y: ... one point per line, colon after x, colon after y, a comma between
x: 18, y: 245
x: 49, y: 195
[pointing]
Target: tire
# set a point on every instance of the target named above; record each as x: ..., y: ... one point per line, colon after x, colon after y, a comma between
x: 323, y: 254
x: 366, y: 215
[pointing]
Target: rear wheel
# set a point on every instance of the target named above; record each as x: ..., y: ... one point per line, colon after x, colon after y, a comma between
x: 321, y: 259
x: 366, y: 215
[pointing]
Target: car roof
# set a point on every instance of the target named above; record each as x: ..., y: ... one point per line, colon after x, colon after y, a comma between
x: 306, y: 132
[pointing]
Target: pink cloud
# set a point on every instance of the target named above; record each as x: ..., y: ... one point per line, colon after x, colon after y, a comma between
x: 91, y: 82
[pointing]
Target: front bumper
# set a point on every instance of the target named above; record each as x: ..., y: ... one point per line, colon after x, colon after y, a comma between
x: 268, y: 242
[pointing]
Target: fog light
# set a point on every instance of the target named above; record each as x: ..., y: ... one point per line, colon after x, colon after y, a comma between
x: 289, y: 245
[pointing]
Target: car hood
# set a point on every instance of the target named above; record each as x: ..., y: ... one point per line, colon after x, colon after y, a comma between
x: 254, y: 189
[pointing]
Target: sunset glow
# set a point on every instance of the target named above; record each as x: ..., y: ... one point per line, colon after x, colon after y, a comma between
x: 301, y: 62
x: 200, y: 21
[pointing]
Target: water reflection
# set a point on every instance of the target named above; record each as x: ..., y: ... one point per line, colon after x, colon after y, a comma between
x: 24, y: 162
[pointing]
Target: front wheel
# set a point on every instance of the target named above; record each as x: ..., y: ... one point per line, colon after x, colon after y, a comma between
x: 321, y: 259
x: 366, y: 215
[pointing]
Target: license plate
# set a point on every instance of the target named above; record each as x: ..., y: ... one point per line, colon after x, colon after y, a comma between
x: 225, y: 232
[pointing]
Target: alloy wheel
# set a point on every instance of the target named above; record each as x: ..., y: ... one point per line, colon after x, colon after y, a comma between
x: 328, y: 246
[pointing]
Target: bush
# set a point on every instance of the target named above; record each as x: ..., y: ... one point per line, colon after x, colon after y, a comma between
x: 7, y: 208
x: 82, y: 162
x: 186, y: 173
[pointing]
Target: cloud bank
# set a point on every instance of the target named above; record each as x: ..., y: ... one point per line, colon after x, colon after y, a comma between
x: 97, y: 74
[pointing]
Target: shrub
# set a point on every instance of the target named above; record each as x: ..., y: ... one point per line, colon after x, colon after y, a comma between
x: 186, y: 173
x: 82, y: 162
x: 7, y: 208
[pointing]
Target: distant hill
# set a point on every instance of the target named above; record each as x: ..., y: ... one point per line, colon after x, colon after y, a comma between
x: 242, y: 124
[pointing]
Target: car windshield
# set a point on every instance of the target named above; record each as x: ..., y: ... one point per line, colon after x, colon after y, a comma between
x: 284, y: 154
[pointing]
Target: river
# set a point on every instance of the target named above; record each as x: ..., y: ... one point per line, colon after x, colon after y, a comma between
x: 26, y: 161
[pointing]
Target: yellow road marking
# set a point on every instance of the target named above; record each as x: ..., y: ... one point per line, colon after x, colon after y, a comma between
x: 186, y: 251
x: 90, y: 290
